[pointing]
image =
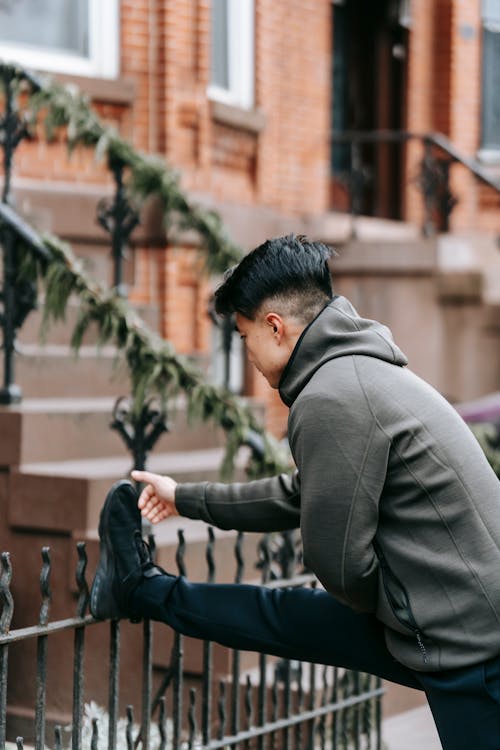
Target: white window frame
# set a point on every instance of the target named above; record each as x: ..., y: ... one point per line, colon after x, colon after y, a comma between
x: 104, y: 47
x: 241, y: 57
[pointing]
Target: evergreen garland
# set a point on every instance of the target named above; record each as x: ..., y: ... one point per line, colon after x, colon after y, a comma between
x: 155, y: 369
x: 63, y: 106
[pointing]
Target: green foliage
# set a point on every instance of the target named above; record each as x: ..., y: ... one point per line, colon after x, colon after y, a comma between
x: 156, y: 371
x: 63, y: 106
x: 488, y: 436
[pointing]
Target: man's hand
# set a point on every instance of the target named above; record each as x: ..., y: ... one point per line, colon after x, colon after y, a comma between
x: 157, y: 499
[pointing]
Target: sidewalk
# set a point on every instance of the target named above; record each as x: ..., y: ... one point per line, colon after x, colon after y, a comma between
x: 411, y: 730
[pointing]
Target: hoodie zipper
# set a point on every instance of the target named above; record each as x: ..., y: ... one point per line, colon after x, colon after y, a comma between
x: 409, y: 620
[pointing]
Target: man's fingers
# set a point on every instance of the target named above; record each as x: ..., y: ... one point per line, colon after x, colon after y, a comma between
x: 145, y: 477
x: 157, y: 514
x: 153, y: 508
x: 146, y: 496
x: 148, y: 507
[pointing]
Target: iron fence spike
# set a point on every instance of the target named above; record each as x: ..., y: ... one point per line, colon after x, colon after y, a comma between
x: 5, y: 594
x: 209, y: 555
x: 82, y: 586
x: 45, y: 586
x: 179, y: 555
x: 238, y: 553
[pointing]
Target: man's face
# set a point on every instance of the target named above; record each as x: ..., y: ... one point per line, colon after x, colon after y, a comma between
x: 264, y: 345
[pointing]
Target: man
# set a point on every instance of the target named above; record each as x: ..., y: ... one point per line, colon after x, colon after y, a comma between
x: 398, y: 509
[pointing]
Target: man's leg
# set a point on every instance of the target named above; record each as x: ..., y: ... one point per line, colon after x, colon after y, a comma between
x: 303, y: 624
x: 465, y: 704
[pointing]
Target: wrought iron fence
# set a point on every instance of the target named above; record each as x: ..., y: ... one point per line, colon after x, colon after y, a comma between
x: 267, y: 703
x: 357, y: 157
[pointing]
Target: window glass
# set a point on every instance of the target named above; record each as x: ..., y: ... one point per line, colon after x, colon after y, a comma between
x: 491, y: 90
x: 340, y: 153
x: 79, y: 37
x: 51, y: 24
x: 232, y: 52
x: 220, y: 44
x: 491, y: 77
x: 491, y: 11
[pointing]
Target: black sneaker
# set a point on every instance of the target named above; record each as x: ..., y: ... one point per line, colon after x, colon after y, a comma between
x: 125, y: 559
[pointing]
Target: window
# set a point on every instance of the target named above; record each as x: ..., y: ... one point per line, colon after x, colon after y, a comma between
x: 227, y: 363
x: 490, y: 146
x: 340, y: 152
x: 79, y: 37
x: 232, y: 48
x: 404, y: 13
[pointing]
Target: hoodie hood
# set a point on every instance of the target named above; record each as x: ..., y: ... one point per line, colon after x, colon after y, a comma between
x: 338, y: 331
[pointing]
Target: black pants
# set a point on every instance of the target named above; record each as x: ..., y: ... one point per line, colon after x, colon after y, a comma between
x: 310, y: 625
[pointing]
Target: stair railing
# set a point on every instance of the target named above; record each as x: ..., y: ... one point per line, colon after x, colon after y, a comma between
x: 439, y: 154
x: 17, y: 296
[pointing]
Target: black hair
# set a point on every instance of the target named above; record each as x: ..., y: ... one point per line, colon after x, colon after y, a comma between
x: 292, y: 271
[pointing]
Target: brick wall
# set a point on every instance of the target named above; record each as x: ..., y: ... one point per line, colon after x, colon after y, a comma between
x: 444, y: 95
x: 278, y: 158
x: 441, y: 79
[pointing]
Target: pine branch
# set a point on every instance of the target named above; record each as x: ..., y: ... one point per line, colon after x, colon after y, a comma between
x: 155, y: 369
x: 60, y: 106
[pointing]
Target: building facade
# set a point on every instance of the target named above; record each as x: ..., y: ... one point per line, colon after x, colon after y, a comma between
x: 245, y: 99
x: 306, y: 116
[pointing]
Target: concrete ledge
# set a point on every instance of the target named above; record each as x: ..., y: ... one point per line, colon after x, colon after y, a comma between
x: 252, y: 121
x: 418, y: 257
x: 112, y: 91
x: 460, y: 286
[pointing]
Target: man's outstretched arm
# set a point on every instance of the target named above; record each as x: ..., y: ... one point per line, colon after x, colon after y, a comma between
x: 263, y: 505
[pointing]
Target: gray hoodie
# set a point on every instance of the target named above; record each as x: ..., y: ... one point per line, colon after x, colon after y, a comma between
x: 398, y: 508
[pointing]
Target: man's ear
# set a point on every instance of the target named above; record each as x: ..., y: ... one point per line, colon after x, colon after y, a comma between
x: 277, y: 324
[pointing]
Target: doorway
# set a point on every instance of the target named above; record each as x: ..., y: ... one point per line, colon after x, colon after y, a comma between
x: 370, y: 42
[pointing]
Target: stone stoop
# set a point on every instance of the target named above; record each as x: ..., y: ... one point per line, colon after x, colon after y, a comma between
x: 48, y: 367
x: 441, y: 299
x: 58, y: 459
x: 65, y: 497
x: 56, y: 503
x: 54, y: 371
x: 62, y: 429
x: 58, y: 455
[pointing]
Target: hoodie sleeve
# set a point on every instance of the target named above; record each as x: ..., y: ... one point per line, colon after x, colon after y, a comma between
x: 342, y: 456
x: 263, y: 505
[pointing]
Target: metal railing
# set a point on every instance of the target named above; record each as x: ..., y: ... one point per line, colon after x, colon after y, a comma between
x: 116, y: 215
x: 357, y: 172
x: 18, y: 298
x: 274, y: 704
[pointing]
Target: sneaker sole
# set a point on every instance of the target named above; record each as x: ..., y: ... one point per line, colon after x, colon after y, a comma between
x: 102, y: 602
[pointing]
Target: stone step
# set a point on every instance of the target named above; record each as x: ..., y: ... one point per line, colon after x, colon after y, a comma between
x: 47, y: 430
x: 55, y: 371
x: 67, y: 496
